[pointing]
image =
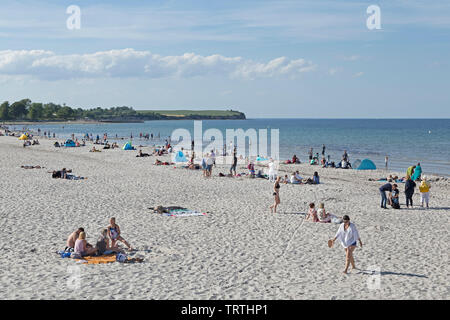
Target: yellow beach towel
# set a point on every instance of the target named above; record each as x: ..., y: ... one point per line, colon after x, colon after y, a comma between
x: 98, y: 259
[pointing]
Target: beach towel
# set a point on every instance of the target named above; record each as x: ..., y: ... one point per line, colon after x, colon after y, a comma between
x: 183, y: 213
x: 98, y: 259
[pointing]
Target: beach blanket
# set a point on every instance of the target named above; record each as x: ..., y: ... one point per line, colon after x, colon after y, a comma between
x: 183, y: 213
x: 98, y: 259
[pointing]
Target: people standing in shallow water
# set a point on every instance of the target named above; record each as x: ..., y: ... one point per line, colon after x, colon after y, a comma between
x: 348, y: 235
x: 276, y: 194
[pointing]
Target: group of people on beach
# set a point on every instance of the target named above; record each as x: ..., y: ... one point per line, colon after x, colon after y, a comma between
x: 413, y: 174
x: 79, y: 247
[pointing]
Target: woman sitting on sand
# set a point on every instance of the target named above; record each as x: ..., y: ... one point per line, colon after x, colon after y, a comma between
x: 312, y: 213
x: 140, y: 154
x: 82, y: 248
x: 102, y: 244
x: 294, y: 179
x: 114, y: 234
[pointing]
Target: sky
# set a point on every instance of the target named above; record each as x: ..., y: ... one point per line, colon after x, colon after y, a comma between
x: 269, y: 59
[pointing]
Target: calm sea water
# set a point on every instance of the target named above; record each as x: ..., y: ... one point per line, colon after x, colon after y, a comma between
x: 405, y: 141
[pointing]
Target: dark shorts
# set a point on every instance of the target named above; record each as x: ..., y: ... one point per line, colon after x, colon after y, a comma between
x: 353, y: 244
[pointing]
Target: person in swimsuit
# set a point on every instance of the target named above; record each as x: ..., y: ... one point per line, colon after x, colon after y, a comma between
x: 276, y: 193
x: 348, y: 235
x: 114, y: 234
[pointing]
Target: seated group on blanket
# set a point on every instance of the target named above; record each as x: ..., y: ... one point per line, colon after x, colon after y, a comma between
x: 297, y: 179
x: 321, y: 215
x: 78, y: 245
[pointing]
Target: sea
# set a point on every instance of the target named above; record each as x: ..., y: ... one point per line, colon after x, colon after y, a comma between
x: 405, y: 141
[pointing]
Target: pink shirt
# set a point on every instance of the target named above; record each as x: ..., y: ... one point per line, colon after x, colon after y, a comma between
x: 80, y: 246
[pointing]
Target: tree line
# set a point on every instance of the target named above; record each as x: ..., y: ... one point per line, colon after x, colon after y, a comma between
x: 26, y: 110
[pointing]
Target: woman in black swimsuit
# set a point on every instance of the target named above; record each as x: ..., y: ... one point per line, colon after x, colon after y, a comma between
x: 276, y: 193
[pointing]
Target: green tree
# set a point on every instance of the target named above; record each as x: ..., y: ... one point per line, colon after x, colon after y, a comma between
x: 18, y: 110
x: 65, y: 113
x: 36, y: 111
x: 4, y: 111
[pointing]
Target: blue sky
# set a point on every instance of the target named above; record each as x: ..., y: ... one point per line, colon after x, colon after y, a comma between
x: 266, y: 58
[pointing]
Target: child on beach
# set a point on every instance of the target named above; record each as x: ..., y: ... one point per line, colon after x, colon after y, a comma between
x: 424, y: 189
x: 326, y: 217
x: 312, y: 213
x: 114, y: 234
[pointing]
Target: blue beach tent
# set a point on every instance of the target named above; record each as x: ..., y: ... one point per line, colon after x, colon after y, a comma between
x: 128, y: 146
x: 180, y: 157
x: 69, y: 143
x: 367, y: 164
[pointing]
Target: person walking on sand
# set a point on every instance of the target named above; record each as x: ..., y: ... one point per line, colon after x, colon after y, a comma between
x: 409, y: 191
x: 234, y: 164
x: 114, y: 234
x: 347, y: 234
x: 276, y: 194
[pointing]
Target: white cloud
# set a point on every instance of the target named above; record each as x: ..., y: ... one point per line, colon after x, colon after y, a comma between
x: 333, y: 71
x: 128, y: 63
x: 352, y: 58
x: 358, y: 74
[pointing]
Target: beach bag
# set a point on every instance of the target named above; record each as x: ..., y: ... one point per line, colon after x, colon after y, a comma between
x: 395, y: 205
x: 120, y: 257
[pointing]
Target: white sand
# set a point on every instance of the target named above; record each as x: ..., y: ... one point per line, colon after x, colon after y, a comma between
x: 238, y: 251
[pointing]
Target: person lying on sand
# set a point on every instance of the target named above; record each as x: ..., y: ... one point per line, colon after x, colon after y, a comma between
x: 140, y: 154
x: 32, y: 167
x: 114, y: 234
x: 82, y: 248
x: 161, y: 209
x: 70, y: 243
x: 94, y: 150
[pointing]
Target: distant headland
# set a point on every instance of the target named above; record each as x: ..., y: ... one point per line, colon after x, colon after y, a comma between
x: 27, y: 111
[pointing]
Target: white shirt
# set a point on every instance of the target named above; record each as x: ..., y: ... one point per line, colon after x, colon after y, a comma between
x: 271, y: 168
x: 209, y: 161
x: 347, y: 237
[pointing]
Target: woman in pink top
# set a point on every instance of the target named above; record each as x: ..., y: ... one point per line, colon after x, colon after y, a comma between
x: 81, y: 246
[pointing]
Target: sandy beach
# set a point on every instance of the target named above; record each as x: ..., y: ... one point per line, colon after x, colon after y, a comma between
x: 239, y: 250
